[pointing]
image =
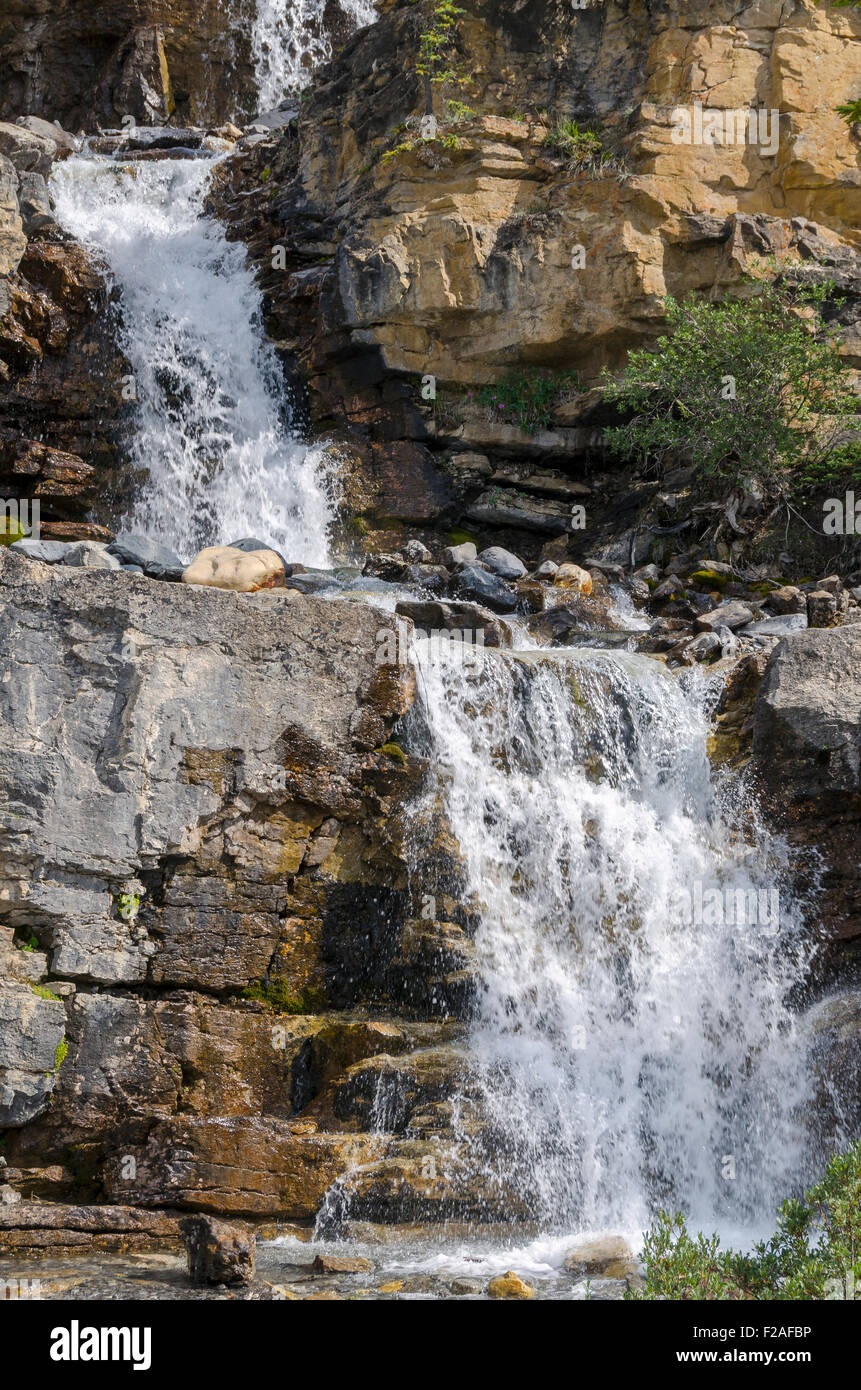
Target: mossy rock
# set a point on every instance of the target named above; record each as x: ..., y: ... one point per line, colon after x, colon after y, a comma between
x: 710, y: 579
x: 461, y: 537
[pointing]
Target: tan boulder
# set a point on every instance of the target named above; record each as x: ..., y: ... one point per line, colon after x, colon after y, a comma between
x: 243, y: 571
x: 599, y: 1256
x: 570, y: 576
x: 509, y: 1285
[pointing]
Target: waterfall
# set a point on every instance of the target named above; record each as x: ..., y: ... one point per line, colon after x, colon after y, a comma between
x: 290, y: 39
x: 213, y: 449
x: 630, y: 1055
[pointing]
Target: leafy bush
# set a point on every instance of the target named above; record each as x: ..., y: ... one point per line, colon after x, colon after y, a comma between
x: 740, y: 387
x: 814, y: 1254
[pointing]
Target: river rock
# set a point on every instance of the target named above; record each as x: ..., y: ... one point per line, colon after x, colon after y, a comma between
x: 34, y: 202
x: 49, y: 552
x: 28, y: 151
x: 219, y: 1252
x: 778, y: 626
x: 570, y: 576
x: 731, y: 615
x: 479, y: 586
x: 821, y: 608
x: 463, y: 554
x: 787, y: 599
x: 593, y: 1256
x: 250, y: 543
x: 432, y: 615
x: 509, y: 1285
x: 47, y: 130
x: 341, y: 1264
x: 90, y: 555
x: 155, y: 560
x: 503, y: 562
x: 223, y: 567
x: 417, y: 553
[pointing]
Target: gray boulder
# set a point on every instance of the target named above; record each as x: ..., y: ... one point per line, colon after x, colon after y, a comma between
x: 29, y: 152
x: 155, y: 560
x: 34, y: 201
x: 479, y: 586
x: 49, y: 552
x: 503, y: 562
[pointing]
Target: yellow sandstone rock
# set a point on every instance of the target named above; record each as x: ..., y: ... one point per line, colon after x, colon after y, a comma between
x: 509, y: 1285
x: 243, y: 571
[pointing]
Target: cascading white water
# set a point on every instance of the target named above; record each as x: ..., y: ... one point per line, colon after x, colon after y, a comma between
x: 213, y: 437
x: 629, y: 1058
x: 290, y: 39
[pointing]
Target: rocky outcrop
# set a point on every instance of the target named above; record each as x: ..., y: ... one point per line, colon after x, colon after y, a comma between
x: 202, y: 878
x: 807, y: 754
x: 403, y: 272
x: 61, y: 369
x: 91, y: 64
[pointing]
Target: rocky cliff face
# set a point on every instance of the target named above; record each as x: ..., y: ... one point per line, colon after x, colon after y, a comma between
x: 452, y: 260
x: 61, y: 369
x: 92, y: 65
x: 202, y: 878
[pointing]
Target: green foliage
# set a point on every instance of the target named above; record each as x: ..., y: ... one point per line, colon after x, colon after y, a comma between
x: 437, y: 61
x: 457, y: 111
x: 60, y: 1053
x: 740, y: 387
x: 815, y: 1252
x: 128, y: 905
x: 31, y: 944
x: 44, y: 993
x: 525, y: 398
x: 277, y: 995
x: 580, y: 144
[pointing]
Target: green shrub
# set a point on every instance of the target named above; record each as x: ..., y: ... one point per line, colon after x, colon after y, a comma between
x: 814, y: 1254
x: 741, y: 388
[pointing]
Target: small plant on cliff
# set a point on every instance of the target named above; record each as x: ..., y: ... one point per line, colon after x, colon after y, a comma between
x: 581, y: 145
x: 740, y: 388
x: 525, y: 398
x: 849, y: 110
x: 437, y: 58
x: 814, y: 1254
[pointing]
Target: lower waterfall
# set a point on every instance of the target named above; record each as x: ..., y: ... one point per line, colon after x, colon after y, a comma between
x: 635, y: 1045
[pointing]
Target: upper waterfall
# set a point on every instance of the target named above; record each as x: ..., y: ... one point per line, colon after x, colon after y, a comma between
x: 213, y: 436
x: 290, y: 39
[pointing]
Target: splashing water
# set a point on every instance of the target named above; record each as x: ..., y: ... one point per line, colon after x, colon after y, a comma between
x: 290, y: 39
x: 629, y: 1058
x: 213, y: 434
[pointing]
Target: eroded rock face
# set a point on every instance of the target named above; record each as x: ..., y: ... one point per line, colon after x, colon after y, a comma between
x: 807, y: 753
x: 453, y: 261
x: 201, y: 863
x: 61, y: 369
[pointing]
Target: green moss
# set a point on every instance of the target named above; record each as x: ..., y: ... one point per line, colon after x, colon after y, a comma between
x: 44, y: 993
x: 60, y: 1054
x: 459, y: 537
x: 393, y: 750
x: 277, y: 995
x: 710, y: 579
x: 11, y: 531
x: 31, y: 944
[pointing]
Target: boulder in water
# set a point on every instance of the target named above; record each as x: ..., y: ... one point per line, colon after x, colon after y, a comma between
x: 509, y: 1285
x: 502, y: 562
x: 460, y: 554
x: 570, y: 576
x: 594, y: 1256
x: 225, y: 567
x: 219, y: 1252
x: 481, y: 587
